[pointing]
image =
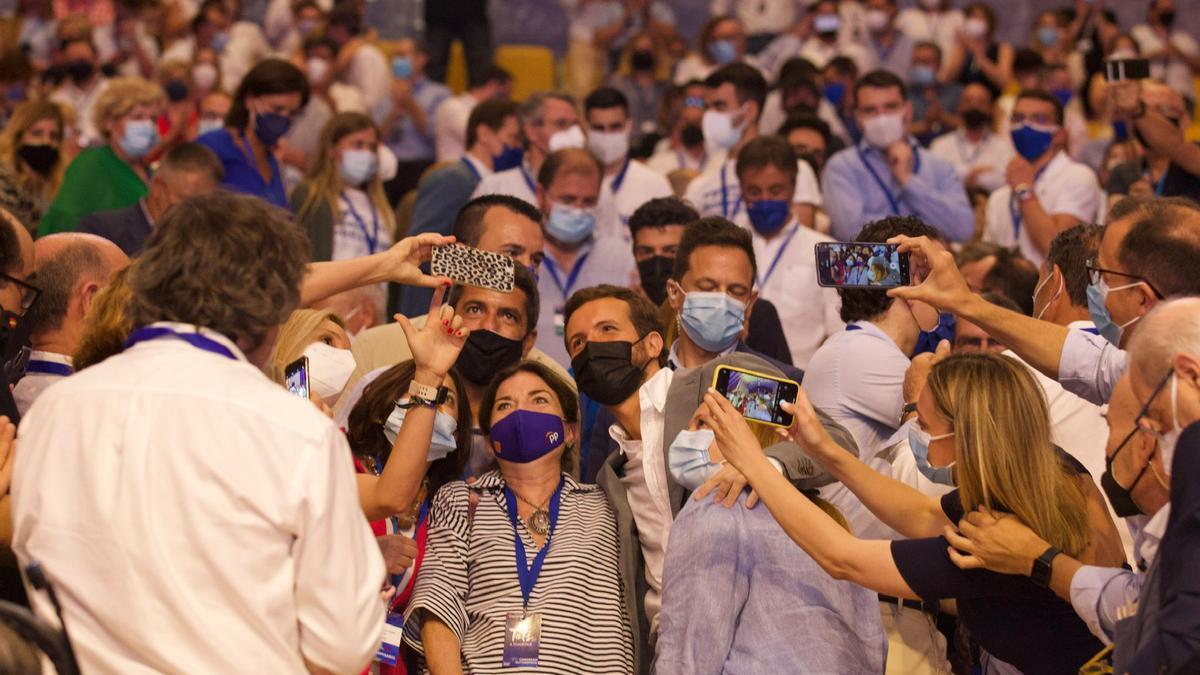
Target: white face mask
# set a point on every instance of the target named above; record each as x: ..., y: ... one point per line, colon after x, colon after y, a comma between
x: 884, y: 129
x: 609, y: 147
x: 567, y: 138
x: 719, y: 130
x: 1038, y: 289
x: 317, y: 69
x: 975, y: 27
x: 877, y: 19
x: 388, y: 163
x: 329, y: 369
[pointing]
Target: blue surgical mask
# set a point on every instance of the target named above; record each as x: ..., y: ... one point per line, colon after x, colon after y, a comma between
x: 714, y: 321
x: 402, y: 67
x: 927, y: 340
x: 922, y: 76
x: 834, y: 92
x: 508, y: 158
x: 220, y: 41
x: 688, y: 460
x: 768, y: 215
x: 358, y: 166
x: 441, y: 444
x: 139, y: 138
x: 1048, y: 36
x: 1063, y: 95
x: 270, y: 127
x: 1097, y: 295
x: 569, y: 224
x: 722, y: 52
x: 918, y: 441
x: 1032, y: 142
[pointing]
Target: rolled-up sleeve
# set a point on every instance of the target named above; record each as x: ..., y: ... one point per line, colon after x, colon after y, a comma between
x: 441, y: 588
x: 1090, y: 366
x: 1098, y: 592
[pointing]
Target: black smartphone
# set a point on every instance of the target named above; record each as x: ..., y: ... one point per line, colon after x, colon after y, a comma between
x: 756, y: 395
x: 861, y: 265
x: 1119, y: 70
x: 295, y: 377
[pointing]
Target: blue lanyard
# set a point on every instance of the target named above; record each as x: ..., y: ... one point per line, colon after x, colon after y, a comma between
x: 528, y: 180
x: 552, y: 268
x: 895, y: 206
x: 762, y: 283
x: 725, y: 197
x: 528, y: 574
x: 471, y: 168
x: 1093, y: 330
x: 1014, y: 209
x: 48, y: 368
x: 851, y: 326
x: 194, y: 339
x: 1161, y: 183
x: 620, y: 179
x: 372, y: 237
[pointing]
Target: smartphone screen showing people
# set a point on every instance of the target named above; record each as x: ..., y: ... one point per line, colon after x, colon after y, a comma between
x: 861, y: 265
x: 756, y: 396
x: 295, y: 376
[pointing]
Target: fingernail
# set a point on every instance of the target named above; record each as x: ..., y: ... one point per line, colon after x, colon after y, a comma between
x: 450, y: 331
x: 445, y: 322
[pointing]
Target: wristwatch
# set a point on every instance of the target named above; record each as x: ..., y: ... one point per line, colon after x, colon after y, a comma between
x: 1043, y: 566
x: 909, y: 408
x: 423, y: 394
x: 1023, y: 191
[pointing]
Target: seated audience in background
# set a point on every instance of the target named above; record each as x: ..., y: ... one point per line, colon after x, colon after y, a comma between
x: 1047, y: 191
x: 32, y: 149
x: 187, y: 170
x: 1171, y: 50
x: 680, y: 120
x: 637, y: 79
x: 112, y: 175
x: 932, y: 21
x: 976, y: 56
x: 1027, y: 70
x: 933, y: 102
x: 451, y: 116
x: 326, y: 97
x: 889, y: 47
x: 81, y: 81
x: 469, y: 600
x: 811, y: 140
x: 549, y: 122
x: 264, y: 105
x: 359, y: 63
x: 1155, y: 172
x: 887, y: 173
x: 722, y: 41
x: 405, y: 113
x: 984, y: 415
x: 838, y: 99
x: 979, y: 155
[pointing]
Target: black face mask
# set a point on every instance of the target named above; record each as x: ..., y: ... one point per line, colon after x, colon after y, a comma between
x: 691, y: 136
x: 654, y: 273
x: 177, y: 90
x: 976, y: 119
x: 1167, y: 18
x: 642, y: 60
x: 40, y: 158
x: 80, y: 71
x: 1121, y: 498
x: 605, y: 371
x: 486, y: 353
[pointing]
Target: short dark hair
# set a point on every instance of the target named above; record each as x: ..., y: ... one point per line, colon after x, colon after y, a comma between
x: 1042, y: 95
x: 10, y: 245
x: 492, y: 73
x: 522, y: 281
x: 796, y: 71
x: 468, y: 225
x: 1070, y: 252
x: 1026, y: 60
x: 270, y: 76
x: 491, y: 114
x: 1163, y: 246
x: 880, y: 79
x: 712, y: 231
x: 1013, y: 276
x: 642, y: 313
x: 57, y: 277
x: 926, y: 44
x: 193, y: 158
x: 660, y: 212
x: 568, y: 399
x: 570, y: 160
x: 767, y: 151
x: 806, y: 121
x: 860, y: 304
x: 842, y: 65
x: 747, y: 81
x: 344, y: 15
x: 319, y: 40
x: 604, y: 98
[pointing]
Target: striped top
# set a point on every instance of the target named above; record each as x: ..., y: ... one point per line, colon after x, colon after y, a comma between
x: 579, y: 592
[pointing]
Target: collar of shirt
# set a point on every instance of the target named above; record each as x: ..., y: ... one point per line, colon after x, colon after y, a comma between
x: 1057, y: 164
x: 1150, y: 535
x: 1083, y: 324
x: 52, y: 357
x: 653, y: 398
x: 868, y: 328
x: 494, y: 480
x: 481, y: 169
x: 184, y: 328
x: 673, y: 356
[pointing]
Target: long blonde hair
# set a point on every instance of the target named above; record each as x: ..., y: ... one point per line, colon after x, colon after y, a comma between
x: 1006, y: 460
x: 324, y: 180
x: 295, y: 335
x: 25, y: 116
x: 107, y: 324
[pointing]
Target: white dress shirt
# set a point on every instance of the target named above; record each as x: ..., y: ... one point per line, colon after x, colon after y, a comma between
x: 1064, y: 186
x: 718, y: 192
x: 450, y: 126
x: 194, y: 516
x: 1090, y: 366
x: 371, y: 72
x: 645, y: 481
x: 1175, y: 72
x: 31, y: 386
x: 667, y: 159
x: 993, y: 151
x: 519, y: 182
x: 922, y: 26
x: 639, y: 184
x: 787, y: 276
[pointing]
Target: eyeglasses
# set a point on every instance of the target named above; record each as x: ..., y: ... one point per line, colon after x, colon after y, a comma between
x: 29, y: 292
x: 1095, y: 274
x: 1144, y: 413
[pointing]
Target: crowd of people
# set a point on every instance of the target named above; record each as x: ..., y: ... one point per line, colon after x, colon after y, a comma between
x: 992, y: 465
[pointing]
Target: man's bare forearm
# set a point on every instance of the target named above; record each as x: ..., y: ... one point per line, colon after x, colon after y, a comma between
x: 1038, y: 343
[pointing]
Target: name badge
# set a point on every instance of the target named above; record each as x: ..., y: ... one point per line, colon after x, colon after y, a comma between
x: 560, y: 321
x: 393, y: 633
x: 522, y: 635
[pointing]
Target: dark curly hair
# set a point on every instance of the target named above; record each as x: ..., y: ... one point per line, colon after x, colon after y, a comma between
x: 860, y: 304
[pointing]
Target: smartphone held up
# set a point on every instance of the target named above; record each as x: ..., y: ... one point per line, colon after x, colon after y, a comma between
x: 862, y: 265
x: 757, y: 396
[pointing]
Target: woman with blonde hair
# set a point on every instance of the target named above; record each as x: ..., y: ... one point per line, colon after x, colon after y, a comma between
x: 986, y: 416
x: 319, y: 335
x: 107, y: 323
x: 113, y: 175
x: 341, y: 203
x: 31, y: 146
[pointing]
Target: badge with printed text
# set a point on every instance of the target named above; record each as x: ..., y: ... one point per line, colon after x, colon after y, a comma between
x: 560, y: 321
x: 522, y: 635
x: 393, y: 633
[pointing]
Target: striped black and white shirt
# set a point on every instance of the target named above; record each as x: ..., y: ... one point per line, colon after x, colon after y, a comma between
x: 578, y: 593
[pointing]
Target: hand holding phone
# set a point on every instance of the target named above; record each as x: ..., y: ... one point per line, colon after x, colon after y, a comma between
x: 1120, y: 70
x: 472, y: 267
x: 874, y: 265
x: 756, y: 396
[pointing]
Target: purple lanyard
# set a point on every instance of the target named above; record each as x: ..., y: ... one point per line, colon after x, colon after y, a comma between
x: 194, y: 339
x: 48, y: 368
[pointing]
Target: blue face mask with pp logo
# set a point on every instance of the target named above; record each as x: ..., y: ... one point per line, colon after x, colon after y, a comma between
x: 688, y: 460
x: 402, y: 67
x: 834, y: 92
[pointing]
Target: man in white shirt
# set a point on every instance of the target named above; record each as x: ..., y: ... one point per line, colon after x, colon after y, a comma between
x: 549, y: 122
x: 787, y: 273
x: 932, y: 21
x: 1172, y: 51
x: 627, y: 183
x: 1047, y: 191
x: 577, y: 256
x: 735, y: 95
x: 71, y: 269
x: 451, y: 116
x: 359, y: 63
x: 683, y: 147
x: 979, y: 155
x: 80, y: 88
x: 761, y: 19
x: 222, y: 529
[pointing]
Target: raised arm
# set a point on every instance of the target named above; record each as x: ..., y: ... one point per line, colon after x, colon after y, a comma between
x: 399, y: 264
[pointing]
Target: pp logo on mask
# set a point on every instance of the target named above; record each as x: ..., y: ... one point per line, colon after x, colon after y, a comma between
x: 552, y: 437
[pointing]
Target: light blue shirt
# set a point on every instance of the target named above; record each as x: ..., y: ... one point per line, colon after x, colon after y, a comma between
x: 859, y: 188
x: 408, y: 142
x: 739, y: 596
x: 897, y: 58
x: 605, y: 260
x: 1090, y: 366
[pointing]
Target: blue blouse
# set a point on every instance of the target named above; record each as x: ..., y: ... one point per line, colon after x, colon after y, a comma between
x: 241, y: 170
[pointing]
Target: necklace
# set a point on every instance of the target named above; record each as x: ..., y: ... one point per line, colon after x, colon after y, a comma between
x: 539, y: 522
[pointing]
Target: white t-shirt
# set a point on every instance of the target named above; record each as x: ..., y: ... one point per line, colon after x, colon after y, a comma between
x: 357, y: 226
x: 993, y: 151
x: 450, y: 126
x: 1173, y: 72
x: 639, y: 185
x: 666, y: 160
x: 941, y: 28
x: 518, y: 182
x: 371, y: 73
x: 717, y: 192
x: 1065, y: 187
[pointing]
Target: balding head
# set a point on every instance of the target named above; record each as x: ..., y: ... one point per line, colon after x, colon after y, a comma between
x: 71, y: 268
x: 1170, y: 329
